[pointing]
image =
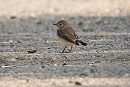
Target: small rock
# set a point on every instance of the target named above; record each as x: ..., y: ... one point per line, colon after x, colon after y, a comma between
x: 97, y: 61
x: 19, y: 41
x: 43, y: 66
x: 10, y: 41
x: 12, y: 17
x: 98, y: 55
x: 9, y: 32
x: 55, y: 65
x: 78, y: 83
x: 64, y: 64
x: 84, y: 74
x: 13, y: 60
x: 32, y: 51
x: 80, y: 23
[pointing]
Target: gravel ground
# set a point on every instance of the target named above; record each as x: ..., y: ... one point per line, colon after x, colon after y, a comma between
x: 105, y: 62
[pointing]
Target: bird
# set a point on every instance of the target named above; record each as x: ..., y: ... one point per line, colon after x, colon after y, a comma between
x: 67, y: 36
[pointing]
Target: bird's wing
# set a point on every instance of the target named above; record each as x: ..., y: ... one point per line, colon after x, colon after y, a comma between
x: 66, y: 36
x: 69, y: 30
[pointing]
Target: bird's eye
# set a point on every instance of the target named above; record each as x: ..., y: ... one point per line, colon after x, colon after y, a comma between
x: 60, y: 24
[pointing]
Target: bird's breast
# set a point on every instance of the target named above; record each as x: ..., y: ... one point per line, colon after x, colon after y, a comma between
x: 64, y: 42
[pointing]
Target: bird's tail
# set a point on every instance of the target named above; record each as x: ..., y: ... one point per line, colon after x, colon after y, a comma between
x: 78, y: 42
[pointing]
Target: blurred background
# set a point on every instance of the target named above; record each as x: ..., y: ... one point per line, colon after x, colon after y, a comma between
x: 34, y: 8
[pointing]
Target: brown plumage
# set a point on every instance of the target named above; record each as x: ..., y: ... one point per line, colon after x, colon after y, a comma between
x: 66, y: 35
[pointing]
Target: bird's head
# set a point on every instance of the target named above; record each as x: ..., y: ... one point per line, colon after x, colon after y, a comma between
x: 61, y: 24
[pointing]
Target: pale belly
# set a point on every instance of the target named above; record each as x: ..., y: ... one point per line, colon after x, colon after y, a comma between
x: 64, y: 42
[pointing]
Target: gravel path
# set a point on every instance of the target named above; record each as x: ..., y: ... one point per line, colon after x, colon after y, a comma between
x: 105, y: 61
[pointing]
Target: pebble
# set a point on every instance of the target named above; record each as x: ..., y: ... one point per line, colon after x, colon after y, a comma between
x: 10, y: 41
x: 78, y: 83
x: 12, y: 17
x: 80, y: 23
x: 64, y: 64
x: 32, y: 51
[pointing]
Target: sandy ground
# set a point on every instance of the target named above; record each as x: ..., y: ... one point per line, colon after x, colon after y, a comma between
x: 27, y: 24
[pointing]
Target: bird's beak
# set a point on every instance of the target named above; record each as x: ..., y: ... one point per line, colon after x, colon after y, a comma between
x: 54, y: 24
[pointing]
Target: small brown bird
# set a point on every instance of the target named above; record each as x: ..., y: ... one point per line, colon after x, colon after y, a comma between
x: 67, y: 36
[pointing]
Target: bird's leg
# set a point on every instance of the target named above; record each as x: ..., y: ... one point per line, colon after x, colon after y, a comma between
x: 75, y: 49
x: 63, y: 50
x: 71, y: 48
